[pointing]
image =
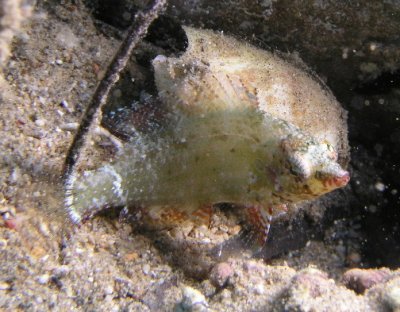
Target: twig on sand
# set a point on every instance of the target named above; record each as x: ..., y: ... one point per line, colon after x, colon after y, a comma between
x: 135, y: 34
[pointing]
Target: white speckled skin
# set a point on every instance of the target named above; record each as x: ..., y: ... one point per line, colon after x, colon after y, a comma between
x: 217, y: 71
x: 233, y: 133
x: 239, y: 156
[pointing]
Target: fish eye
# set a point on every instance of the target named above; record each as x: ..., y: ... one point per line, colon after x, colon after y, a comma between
x: 294, y: 171
x: 318, y: 175
x: 298, y: 169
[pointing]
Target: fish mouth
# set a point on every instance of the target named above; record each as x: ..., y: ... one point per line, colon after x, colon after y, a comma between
x: 340, y: 180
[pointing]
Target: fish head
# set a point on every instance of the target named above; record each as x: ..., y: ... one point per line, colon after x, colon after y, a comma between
x: 309, y: 169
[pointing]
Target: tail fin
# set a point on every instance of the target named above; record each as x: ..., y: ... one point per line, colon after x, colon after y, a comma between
x: 91, y: 191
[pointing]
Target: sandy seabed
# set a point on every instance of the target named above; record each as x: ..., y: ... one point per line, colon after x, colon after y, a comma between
x: 57, y: 59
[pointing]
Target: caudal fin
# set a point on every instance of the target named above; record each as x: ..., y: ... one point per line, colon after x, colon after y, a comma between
x: 92, y: 191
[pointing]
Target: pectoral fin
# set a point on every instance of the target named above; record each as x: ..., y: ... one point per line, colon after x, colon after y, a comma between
x: 260, y: 219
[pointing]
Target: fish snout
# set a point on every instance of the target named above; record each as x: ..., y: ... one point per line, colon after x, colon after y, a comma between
x: 341, y: 179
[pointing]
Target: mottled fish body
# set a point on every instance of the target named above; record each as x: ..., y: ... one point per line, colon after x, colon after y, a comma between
x: 219, y: 143
x: 235, y: 156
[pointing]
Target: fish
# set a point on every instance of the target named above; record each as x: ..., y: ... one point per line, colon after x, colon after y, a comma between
x: 214, y: 142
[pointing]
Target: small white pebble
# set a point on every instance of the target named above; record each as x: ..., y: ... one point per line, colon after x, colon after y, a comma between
x: 44, y: 258
x: 146, y: 269
x: 59, y: 62
x: 379, y: 186
x: 40, y: 122
x: 43, y: 279
x: 108, y: 290
x: 259, y: 289
x: 4, y: 286
x: 79, y: 251
x: 193, y: 300
x: 372, y: 47
x: 42, y: 100
x: 15, y: 175
x: 64, y: 104
x: 206, y: 240
x: 3, y: 244
x: 70, y: 126
x: 44, y: 229
x: 38, y: 300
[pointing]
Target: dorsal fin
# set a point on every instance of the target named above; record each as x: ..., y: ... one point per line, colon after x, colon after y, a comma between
x: 207, y: 77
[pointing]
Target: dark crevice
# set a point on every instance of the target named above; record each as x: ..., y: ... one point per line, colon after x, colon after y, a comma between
x: 382, y: 84
x: 373, y: 124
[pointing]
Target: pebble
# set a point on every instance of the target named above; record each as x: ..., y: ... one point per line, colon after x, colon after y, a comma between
x: 220, y: 274
x: 146, y: 269
x: 314, y: 282
x: 38, y: 300
x: 259, y: 289
x: 13, y: 223
x: 226, y: 294
x: 193, y: 300
x: 66, y: 106
x: 360, y: 280
x: 43, y: 279
x: 15, y: 176
x: 3, y: 244
x: 70, y: 126
x: 108, y: 290
x: 379, y: 186
x: 43, y: 228
x: 40, y: 122
x: 79, y: 251
x: 4, y: 286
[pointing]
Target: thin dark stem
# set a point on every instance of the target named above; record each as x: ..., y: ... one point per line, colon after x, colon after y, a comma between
x: 135, y: 34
